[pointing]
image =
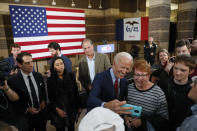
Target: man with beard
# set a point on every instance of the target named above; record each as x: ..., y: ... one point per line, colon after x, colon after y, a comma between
x: 55, y: 50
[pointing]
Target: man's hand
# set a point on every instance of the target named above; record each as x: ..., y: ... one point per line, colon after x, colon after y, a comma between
x: 13, y: 72
x: 60, y: 112
x: 169, y: 66
x: 135, y: 122
x: 128, y: 121
x: 115, y: 105
x: 13, y: 96
x: 5, y: 86
x: 90, y: 87
x: 80, y: 110
x: 48, y: 73
x: 32, y: 110
x: 42, y: 105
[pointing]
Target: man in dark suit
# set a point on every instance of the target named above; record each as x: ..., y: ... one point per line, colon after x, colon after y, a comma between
x: 91, y: 64
x: 29, y: 86
x: 109, y: 88
x: 150, y: 51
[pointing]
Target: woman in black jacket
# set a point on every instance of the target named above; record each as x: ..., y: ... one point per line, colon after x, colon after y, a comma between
x: 63, y: 96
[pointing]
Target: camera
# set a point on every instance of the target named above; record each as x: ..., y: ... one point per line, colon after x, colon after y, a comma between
x: 135, y: 111
x: 2, y: 79
x: 172, y: 59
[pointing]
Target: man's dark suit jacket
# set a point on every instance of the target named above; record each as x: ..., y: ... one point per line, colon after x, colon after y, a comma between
x: 103, y: 90
x: 17, y: 83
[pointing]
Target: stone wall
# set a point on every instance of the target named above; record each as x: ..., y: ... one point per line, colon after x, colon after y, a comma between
x: 186, y: 19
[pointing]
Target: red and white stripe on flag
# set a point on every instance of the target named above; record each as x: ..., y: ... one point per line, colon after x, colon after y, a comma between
x: 144, y: 28
x: 64, y: 26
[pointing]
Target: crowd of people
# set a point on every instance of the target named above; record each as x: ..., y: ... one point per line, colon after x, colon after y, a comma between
x: 166, y: 90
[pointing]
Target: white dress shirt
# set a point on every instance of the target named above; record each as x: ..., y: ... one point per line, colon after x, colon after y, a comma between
x: 25, y: 77
x: 91, y: 67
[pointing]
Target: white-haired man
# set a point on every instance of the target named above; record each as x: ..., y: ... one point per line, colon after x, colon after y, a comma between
x: 109, y: 88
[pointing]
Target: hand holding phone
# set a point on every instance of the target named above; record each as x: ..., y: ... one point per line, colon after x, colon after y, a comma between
x: 135, y: 111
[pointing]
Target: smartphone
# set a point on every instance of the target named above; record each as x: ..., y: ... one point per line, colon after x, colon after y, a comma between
x: 172, y: 59
x: 136, y: 111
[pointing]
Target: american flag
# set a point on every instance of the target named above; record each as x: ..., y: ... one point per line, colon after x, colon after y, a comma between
x: 35, y: 27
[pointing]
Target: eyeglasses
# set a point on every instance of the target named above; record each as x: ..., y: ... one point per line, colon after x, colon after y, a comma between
x: 140, y: 75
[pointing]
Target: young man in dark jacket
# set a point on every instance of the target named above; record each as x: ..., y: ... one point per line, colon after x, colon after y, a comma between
x: 179, y: 86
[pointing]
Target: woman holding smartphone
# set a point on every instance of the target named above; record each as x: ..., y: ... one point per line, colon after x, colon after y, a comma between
x: 63, y: 96
x: 144, y: 93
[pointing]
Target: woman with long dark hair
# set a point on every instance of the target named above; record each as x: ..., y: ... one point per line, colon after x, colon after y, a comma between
x: 63, y: 96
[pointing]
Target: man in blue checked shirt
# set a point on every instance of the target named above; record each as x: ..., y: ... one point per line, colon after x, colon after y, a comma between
x: 189, y: 124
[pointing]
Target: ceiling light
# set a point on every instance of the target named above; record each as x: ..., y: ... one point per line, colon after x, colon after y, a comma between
x: 100, y: 6
x: 53, y: 2
x: 34, y: 2
x: 89, y: 5
x: 16, y: 1
x: 73, y: 3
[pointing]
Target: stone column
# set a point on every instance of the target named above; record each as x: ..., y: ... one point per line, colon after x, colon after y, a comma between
x: 5, y: 30
x: 159, y: 21
x: 186, y: 19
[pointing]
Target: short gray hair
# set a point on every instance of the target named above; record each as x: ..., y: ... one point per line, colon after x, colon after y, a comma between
x: 86, y: 40
x: 122, y: 54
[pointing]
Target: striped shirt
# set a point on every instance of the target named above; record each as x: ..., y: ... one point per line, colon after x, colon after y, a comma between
x: 153, y: 100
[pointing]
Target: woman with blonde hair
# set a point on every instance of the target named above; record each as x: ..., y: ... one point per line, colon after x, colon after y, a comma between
x: 162, y: 59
